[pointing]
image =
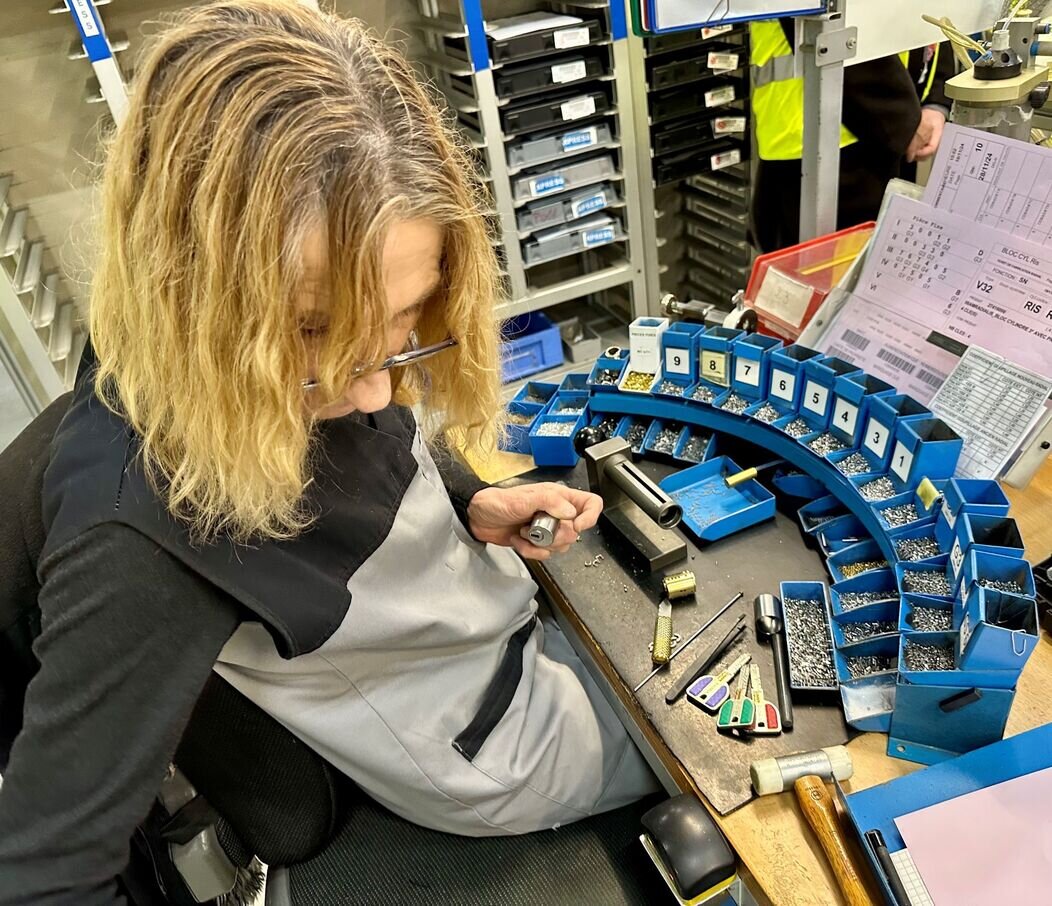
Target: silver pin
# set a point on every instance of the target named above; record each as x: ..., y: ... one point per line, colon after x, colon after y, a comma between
x: 913, y: 549
x: 735, y: 403
x: 857, y: 632
x: 931, y: 619
x: 826, y: 443
x: 928, y: 657
x: 849, y: 600
x: 671, y: 388
x: 926, y: 582
x: 766, y: 414
x: 810, y: 650
x: 855, y: 464
x: 878, y: 489
x: 903, y: 514
x: 798, y: 428
x: 703, y: 394
x: 864, y: 665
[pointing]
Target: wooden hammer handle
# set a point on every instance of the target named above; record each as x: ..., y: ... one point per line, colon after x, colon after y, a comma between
x: 817, y: 806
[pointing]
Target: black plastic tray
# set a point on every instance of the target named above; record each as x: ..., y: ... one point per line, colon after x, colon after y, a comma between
x: 538, y: 43
x: 549, y: 111
x: 674, y: 103
x: 684, y: 164
x: 517, y: 81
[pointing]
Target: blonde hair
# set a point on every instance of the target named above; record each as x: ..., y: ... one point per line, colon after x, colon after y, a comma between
x: 252, y: 122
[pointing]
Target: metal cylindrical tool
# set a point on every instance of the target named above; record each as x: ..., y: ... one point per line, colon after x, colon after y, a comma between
x: 776, y: 775
x: 680, y: 584
x: 543, y: 529
x: 770, y: 624
x: 691, y: 310
x: 643, y: 492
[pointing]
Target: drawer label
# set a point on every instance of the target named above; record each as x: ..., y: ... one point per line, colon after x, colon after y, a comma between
x: 723, y: 61
x: 714, y: 30
x: 571, y: 37
x: 587, y: 205
x: 719, y: 96
x: 542, y: 185
x: 575, y: 108
x: 569, y: 72
x: 747, y: 371
x: 677, y: 361
x: 599, y: 237
x: 728, y: 125
x: 726, y: 159
x: 948, y: 514
x: 783, y: 384
x: 901, y: 461
x: 876, y: 438
x: 957, y: 557
x: 816, y: 398
x: 845, y: 415
x: 714, y: 367
x: 580, y: 138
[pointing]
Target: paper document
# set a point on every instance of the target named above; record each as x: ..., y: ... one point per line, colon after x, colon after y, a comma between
x: 995, y: 181
x: 990, y: 846
x: 527, y: 24
x: 993, y: 405
x: 934, y: 283
x: 911, y: 879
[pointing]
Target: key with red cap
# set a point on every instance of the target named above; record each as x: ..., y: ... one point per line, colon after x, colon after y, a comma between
x: 766, y: 719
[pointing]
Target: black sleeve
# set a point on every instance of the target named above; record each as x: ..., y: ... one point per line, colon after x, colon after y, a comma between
x: 881, y: 105
x: 128, y: 639
x: 461, y: 483
x: 945, y: 69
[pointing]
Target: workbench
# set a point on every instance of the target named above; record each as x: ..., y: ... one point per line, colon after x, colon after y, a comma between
x: 781, y: 860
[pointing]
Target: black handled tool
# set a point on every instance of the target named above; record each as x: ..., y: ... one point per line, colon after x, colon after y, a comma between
x: 770, y: 624
x: 875, y: 839
x: 705, y: 661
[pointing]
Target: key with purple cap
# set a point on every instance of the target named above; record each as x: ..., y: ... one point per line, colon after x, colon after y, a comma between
x: 710, y: 692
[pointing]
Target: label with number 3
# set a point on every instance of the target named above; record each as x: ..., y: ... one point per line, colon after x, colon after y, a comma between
x: 876, y: 438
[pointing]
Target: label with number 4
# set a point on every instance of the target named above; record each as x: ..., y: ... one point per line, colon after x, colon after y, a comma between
x: 747, y: 371
x: 783, y: 384
x: 901, y: 461
x: 677, y: 361
x: 845, y: 416
x: 876, y: 438
x: 816, y: 398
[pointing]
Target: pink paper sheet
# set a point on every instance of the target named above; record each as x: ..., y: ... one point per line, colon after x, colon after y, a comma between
x: 993, y: 846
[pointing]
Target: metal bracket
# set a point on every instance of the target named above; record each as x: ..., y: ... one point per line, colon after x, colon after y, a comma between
x: 836, y: 46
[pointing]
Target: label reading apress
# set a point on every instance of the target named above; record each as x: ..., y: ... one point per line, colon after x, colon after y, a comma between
x: 82, y: 11
x: 599, y: 237
x: 545, y: 184
x: 588, y: 205
x: 580, y: 138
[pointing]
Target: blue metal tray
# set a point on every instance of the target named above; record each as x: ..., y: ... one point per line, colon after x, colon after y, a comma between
x: 711, y: 510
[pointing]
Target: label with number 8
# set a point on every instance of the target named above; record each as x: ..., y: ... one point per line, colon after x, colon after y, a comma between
x: 816, y: 397
x: 783, y: 384
x: 677, y: 361
x: 714, y: 367
x: 876, y: 437
x: 747, y: 371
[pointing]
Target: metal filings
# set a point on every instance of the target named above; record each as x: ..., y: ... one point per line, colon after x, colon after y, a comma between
x: 826, y: 443
x: 855, y: 464
x: 903, y: 514
x: 665, y: 442
x: 1002, y: 585
x: 635, y: 435
x: 798, y: 428
x: 849, y: 600
x: 735, y: 403
x: 927, y: 582
x: 556, y: 429
x: 766, y: 414
x: 694, y: 449
x: 913, y: 549
x: 931, y: 619
x: 857, y: 632
x: 919, y: 656
x: 878, y: 489
x: 703, y: 393
x: 864, y: 665
x: 810, y: 648
x: 671, y: 388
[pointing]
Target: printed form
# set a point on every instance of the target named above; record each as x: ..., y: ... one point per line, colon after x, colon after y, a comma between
x: 934, y: 283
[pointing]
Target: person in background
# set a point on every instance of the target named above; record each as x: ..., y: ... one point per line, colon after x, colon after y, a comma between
x: 894, y: 111
x: 293, y: 259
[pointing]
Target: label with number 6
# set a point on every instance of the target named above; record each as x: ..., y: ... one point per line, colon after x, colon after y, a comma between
x: 783, y: 384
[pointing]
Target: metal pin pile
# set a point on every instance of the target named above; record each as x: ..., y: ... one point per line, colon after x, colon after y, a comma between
x: 810, y: 648
x: 855, y: 464
x: 671, y: 388
x: 849, y: 600
x: 928, y: 657
x: 635, y: 435
x: 694, y: 449
x: 850, y: 570
x: 1002, y: 585
x: 735, y: 403
x: 766, y: 413
x: 571, y: 409
x: 913, y: 549
x: 857, y: 632
x: 878, y: 489
x: 826, y: 443
x: 813, y: 520
x: 932, y: 619
x: 532, y: 396
x: 665, y: 442
x: 703, y: 394
x: 639, y: 381
x: 903, y: 514
x: 927, y: 582
x: 605, y: 377
x: 556, y: 429
x: 864, y: 665
x: 607, y: 427
x: 798, y: 428
x: 519, y: 418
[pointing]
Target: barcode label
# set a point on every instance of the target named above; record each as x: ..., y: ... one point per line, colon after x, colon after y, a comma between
x: 569, y: 72
x: 724, y: 125
x: 714, y: 30
x: 896, y: 361
x: 855, y: 339
x: 719, y: 61
x: 719, y: 96
x: 575, y: 108
x: 726, y: 159
x: 571, y: 37
x: 931, y: 378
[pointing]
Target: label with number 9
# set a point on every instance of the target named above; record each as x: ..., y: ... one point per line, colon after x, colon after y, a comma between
x: 677, y: 361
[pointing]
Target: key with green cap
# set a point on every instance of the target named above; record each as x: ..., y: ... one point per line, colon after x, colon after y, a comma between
x: 710, y: 692
x: 737, y: 712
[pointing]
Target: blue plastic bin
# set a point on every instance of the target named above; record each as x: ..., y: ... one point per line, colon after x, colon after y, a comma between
x: 875, y: 470
x: 878, y: 582
x: 608, y: 367
x: 924, y: 448
x: 806, y: 591
x: 978, y: 496
x: 883, y: 415
x: 516, y: 438
x: 852, y: 395
x: 565, y: 401
x: 679, y: 351
x: 711, y: 510
x: 625, y: 428
x: 982, y: 566
x: 681, y: 453
x: 867, y: 551
x: 910, y: 602
x: 936, y: 565
x: 555, y: 450
x: 819, y: 377
x: 998, y: 631
x: 716, y: 354
x: 785, y: 383
x: 752, y: 358
x: 917, y: 531
x: 531, y: 344
x: 653, y: 432
x: 839, y: 533
x: 996, y: 534
x: 881, y: 612
x: 817, y: 513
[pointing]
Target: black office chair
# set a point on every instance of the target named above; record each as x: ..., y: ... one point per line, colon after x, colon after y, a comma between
x: 261, y: 792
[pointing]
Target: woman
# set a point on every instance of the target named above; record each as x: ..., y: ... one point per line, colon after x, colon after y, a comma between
x: 292, y: 238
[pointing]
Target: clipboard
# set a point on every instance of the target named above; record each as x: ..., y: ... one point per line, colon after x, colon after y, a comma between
x: 878, y: 807
x: 658, y: 17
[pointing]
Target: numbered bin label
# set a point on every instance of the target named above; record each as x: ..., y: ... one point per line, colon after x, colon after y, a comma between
x: 677, y: 361
x: 947, y: 513
x: 783, y: 384
x: 845, y: 416
x: 876, y: 439
x: 816, y: 398
x: 956, y: 557
x: 747, y: 371
x: 901, y: 461
x: 714, y: 367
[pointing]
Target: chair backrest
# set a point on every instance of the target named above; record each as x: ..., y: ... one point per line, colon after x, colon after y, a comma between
x: 282, y: 799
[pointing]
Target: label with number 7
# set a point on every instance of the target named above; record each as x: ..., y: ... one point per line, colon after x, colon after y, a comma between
x: 747, y: 371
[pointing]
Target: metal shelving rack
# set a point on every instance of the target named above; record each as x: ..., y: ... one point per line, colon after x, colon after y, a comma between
x: 715, y: 197
x: 457, y: 58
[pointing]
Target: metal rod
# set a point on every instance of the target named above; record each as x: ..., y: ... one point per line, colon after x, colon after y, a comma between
x: 692, y: 637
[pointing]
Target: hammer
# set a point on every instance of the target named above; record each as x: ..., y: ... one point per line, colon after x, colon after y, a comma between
x: 807, y: 773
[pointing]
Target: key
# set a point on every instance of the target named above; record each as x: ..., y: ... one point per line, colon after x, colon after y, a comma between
x: 737, y: 712
x: 710, y: 692
x: 766, y: 719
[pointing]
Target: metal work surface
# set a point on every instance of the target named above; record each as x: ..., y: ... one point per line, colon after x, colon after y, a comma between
x: 620, y: 624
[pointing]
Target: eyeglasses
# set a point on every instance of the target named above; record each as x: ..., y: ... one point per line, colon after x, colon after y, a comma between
x: 413, y: 353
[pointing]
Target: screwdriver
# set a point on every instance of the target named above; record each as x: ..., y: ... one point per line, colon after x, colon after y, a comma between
x: 746, y: 474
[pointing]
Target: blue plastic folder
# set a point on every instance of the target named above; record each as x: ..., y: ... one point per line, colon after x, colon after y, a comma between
x: 878, y: 807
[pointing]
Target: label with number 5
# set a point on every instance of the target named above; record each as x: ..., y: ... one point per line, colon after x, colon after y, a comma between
x: 816, y: 397
x: 876, y: 437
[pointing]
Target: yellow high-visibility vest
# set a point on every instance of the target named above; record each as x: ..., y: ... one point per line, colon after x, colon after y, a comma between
x: 778, y: 96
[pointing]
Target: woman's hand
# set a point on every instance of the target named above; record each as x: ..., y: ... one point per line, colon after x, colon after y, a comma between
x: 503, y: 516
